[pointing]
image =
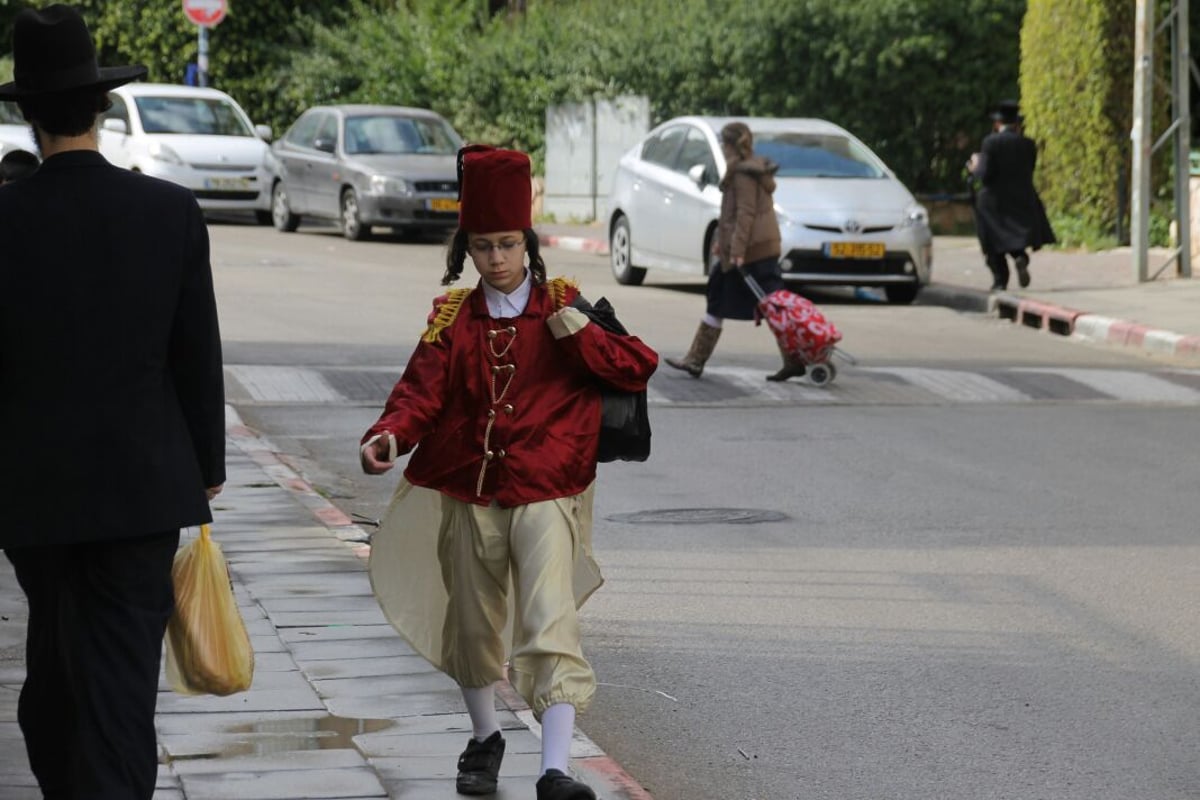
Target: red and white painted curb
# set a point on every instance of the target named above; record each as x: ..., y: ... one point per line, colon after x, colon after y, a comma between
x: 1094, y: 327
x: 595, y: 767
x: 1122, y: 333
x: 581, y: 244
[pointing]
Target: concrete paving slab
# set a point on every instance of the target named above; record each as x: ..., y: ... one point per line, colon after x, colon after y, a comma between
x: 336, y: 626
x: 170, y: 723
x: 337, y: 585
x: 281, y: 700
x: 398, y: 705
x: 287, y: 761
x: 366, y: 667
x: 444, y: 790
x: 298, y: 564
x: 362, y: 602
x: 297, y: 785
x: 522, y: 768
x: 457, y: 723
x: 388, y: 744
x: 376, y: 687
x: 349, y: 648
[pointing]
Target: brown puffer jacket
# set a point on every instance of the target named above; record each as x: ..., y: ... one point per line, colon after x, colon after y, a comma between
x: 747, y: 226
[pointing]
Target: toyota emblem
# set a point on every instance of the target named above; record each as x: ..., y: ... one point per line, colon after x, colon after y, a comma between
x: 852, y: 226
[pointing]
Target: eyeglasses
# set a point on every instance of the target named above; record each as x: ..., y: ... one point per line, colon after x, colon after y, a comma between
x: 504, y: 248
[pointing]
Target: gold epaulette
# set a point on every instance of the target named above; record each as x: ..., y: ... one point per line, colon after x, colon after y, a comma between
x: 445, y: 310
x: 558, y: 290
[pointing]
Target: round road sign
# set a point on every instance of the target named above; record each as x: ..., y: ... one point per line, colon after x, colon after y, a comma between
x: 205, y: 12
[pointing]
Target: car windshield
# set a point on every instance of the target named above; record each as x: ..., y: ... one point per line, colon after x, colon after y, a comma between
x: 816, y: 155
x: 10, y: 114
x: 201, y: 116
x: 394, y: 135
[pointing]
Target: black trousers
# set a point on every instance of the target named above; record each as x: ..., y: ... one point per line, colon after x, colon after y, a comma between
x: 998, y: 264
x: 97, y: 614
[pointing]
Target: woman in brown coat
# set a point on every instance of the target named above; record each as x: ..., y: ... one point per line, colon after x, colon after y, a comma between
x: 747, y: 239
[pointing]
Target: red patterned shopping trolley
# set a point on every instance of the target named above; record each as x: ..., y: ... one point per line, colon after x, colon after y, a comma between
x: 803, y: 332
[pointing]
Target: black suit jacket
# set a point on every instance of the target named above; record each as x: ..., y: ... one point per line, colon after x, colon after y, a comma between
x: 1009, y: 213
x: 111, y: 392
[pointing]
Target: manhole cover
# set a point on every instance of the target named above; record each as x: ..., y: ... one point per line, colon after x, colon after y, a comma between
x: 699, y: 516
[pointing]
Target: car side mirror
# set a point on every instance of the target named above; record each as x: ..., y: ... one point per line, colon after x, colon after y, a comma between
x: 699, y: 174
x: 264, y: 132
x: 324, y: 145
x: 115, y: 125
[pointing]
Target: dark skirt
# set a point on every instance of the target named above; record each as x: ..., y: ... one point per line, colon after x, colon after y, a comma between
x: 728, y: 295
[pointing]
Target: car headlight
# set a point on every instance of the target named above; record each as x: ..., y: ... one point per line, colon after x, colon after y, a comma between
x: 916, y: 216
x: 385, y: 184
x: 162, y: 152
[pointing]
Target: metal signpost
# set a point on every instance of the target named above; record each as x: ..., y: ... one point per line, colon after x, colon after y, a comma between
x: 204, y: 14
x: 1144, y: 145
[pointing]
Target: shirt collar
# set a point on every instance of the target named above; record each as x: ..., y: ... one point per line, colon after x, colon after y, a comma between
x: 501, y: 305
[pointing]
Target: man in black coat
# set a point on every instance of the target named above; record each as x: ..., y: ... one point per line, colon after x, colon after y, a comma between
x: 1009, y: 216
x: 112, y: 404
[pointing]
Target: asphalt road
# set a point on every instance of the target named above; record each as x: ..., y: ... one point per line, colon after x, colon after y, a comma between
x: 967, y: 569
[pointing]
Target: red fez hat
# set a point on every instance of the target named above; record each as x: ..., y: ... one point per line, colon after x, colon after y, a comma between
x: 494, y: 190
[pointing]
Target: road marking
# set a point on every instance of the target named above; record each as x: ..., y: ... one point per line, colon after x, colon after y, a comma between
x: 1128, y: 385
x: 739, y: 386
x: 272, y: 384
x: 957, y: 385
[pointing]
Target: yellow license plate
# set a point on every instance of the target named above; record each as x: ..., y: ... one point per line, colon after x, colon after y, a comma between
x: 228, y: 184
x: 855, y: 249
x: 443, y: 204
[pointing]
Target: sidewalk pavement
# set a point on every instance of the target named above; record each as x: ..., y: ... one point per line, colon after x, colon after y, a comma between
x: 1093, y: 296
x: 340, y: 706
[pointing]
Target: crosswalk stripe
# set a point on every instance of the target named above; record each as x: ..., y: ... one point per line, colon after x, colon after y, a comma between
x: 276, y: 384
x: 956, y: 385
x: 1128, y: 385
x: 732, y: 385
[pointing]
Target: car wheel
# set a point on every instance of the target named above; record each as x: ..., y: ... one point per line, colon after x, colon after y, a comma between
x: 352, y: 225
x: 902, y: 295
x: 281, y: 213
x: 620, y: 253
x: 264, y: 217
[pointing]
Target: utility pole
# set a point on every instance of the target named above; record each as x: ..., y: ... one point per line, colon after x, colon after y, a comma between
x: 1142, y: 134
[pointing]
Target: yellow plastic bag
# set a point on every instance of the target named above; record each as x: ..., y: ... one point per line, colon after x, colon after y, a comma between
x: 208, y: 649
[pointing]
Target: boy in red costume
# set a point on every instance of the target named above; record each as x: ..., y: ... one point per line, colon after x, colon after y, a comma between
x: 485, y: 552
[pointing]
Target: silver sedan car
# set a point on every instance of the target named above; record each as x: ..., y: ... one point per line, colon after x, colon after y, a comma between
x: 844, y: 217
x: 364, y: 166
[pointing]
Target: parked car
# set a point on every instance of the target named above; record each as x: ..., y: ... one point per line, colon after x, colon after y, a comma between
x: 364, y: 166
x: 843, y: 215
x: 15, y: 133
x: 194, y: 136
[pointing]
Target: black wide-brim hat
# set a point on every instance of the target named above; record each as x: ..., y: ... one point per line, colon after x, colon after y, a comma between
x: 53, y: 52
x: 1008, y: 112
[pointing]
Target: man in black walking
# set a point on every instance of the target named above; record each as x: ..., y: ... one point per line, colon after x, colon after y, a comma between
x: 112, y: 404
x: 1009, y: 216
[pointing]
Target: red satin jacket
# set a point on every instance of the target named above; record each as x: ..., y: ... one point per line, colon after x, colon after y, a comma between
x: 498, y: 409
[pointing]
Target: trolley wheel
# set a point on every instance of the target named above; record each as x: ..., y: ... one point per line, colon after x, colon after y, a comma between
x: 821, y: 374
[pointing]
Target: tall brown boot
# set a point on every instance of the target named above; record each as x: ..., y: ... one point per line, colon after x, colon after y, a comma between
x: 703, y: 344
x: 792, y: 368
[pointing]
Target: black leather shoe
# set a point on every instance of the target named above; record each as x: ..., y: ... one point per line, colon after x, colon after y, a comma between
x: 479, y: 765
x: 1021, y: 262
x: 555, y: 785
x: 787, y: 371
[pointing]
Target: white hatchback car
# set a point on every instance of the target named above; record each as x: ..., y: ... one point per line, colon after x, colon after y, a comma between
x: 197, y: 137
x: 15, y: 133
x: 844, y: 217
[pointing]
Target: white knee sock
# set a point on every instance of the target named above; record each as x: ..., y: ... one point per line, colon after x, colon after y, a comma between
x: 481, y: 705
x: 558, y: 726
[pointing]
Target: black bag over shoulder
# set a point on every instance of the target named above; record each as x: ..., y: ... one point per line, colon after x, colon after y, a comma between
x: 624, y: 416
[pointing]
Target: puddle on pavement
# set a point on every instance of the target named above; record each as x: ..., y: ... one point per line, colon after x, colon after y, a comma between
x: 288, y: 735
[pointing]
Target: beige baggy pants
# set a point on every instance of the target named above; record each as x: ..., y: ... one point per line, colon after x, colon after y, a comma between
x: 477, y: 547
